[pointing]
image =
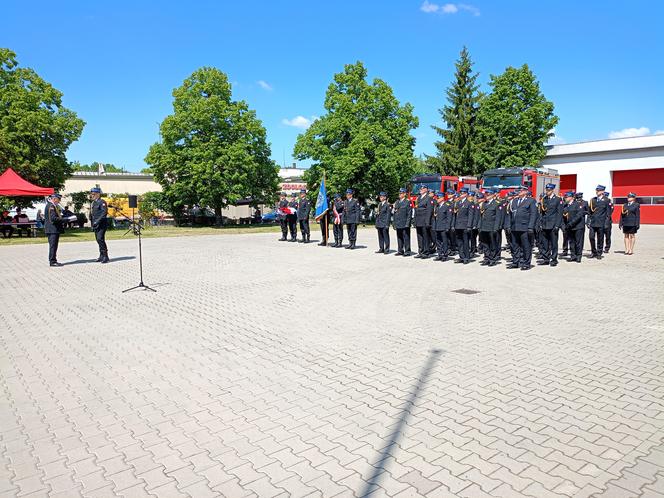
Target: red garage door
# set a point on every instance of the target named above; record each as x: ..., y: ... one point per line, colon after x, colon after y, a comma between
x: 648, y: 184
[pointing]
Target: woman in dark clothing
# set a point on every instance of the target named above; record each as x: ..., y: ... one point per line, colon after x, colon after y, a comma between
x: 630, y: 221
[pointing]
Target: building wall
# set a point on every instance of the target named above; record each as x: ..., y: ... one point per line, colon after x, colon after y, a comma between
x: 111, y: 183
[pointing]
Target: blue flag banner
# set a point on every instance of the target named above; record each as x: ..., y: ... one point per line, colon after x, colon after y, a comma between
x: 321, y: 201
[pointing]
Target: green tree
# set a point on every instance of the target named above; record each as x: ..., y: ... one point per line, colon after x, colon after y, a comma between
x: 79, y: 199
x: 514, y: 121
x: 94, y: 167
x: 35, y: 128
x: 213, y: 150
x: 455, y: 150
x: 363, y: 141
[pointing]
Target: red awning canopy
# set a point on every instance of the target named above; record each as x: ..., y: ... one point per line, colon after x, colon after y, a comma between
x: 12, y: 185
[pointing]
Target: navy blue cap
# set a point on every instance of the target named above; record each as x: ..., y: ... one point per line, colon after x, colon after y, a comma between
x: 383, y: 194
x: 479, y: 195
x: 402, y: 190
x: 349, y: 190
x: 550, y: 186
x: 337, y: 196
x: 451, y: 191
x: 464, y: 190
x: 607, y: 193
x: 471, y: 193
x: 440, y: 193
x: 569, y: 194
x: 511, y: 193
x: 95, y: 190
x: 422, y: 185
x: 294, y: 194
x: 59, y: 196
x: 600, y: 187
x: 578, y: 195
x: 631, y: 194
x: 283, y: 193
x: 303, y: 191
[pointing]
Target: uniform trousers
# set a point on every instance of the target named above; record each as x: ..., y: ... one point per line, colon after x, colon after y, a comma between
x: 53, y: 241
x: 442, y: 243
x: 576, y: 239
x: 596, y: 240
x: 383, y: 239
x: 463, y: 243
x: 423, y: 242
x: 304, y: 228
x: 550, y: 245
x: 403, y: 240
x: 338, y: 231
x: 352, y: 232
x: 524, y: 248
x: 100, y: 235
x: 292, y: 225
x: 284, y: 227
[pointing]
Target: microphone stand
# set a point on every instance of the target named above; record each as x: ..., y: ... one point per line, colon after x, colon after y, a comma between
x: 137, y: 227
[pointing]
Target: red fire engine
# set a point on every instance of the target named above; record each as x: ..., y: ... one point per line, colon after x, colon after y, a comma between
x: 507, y: 179
x: 436, y: 182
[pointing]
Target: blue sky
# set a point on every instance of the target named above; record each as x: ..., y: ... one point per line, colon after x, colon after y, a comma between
x: 117, y: 62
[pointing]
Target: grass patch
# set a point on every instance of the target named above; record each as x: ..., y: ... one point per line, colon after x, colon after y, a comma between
x: 87, y: 235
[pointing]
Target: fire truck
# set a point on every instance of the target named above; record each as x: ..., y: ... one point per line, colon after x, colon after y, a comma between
x: 436, y: 182
x: 507, y: 179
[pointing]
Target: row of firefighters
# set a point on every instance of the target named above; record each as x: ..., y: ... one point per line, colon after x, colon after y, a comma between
x: 468, y: 223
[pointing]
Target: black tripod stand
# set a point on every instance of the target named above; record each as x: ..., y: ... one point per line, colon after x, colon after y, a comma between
x: 137, y: 227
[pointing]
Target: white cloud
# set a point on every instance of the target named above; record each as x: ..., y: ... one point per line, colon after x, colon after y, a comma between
x: 448, y: 8
x: 299, y: 122
x: 659, y: 132
x: 264, y: 85
x: 630, y: 132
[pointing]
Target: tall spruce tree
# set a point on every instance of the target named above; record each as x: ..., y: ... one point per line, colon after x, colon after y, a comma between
x: 456, y: 149
x: 514, y: 121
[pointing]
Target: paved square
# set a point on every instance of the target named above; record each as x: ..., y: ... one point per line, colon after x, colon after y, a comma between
x: 264, y: 368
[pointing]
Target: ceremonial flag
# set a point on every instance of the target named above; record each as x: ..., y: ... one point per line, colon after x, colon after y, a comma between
x: 321, y: 201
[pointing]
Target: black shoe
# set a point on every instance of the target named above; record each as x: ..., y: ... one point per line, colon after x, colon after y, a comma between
x: 606, y: 251
x: 565, y: 253
x: 512, y: 267
x: 543, y: 262
x: 349, y: 246
x: 407, y: 254
x: 444, y: 258
x: 105, y: 260
x: 438, y: 258
x: 282, y: 239
x: 553, y: 263
x: 526, y: 268
x: 55, y: 264
x: 458, y: 261
x: 399, y: 254
x: 492, y: 263
x: 418, y: 256
x: 379, y: 251
x: 577, y: 260
x: 98, y: 260
x: 322, y: 244
x: 590, y: 256
x: 387, y: 251
x: 293, y: 240
x: 484, y: 263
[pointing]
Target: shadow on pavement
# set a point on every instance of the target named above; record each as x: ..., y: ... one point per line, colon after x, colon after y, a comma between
x: 381, y: 462
x: 84, y: 261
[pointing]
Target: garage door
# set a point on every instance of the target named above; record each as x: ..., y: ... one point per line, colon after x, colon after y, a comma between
x: 648, y: 184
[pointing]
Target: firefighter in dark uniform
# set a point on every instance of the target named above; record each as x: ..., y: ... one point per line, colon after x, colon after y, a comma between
x: 608, y: 227
x: 551, y: 218
x: 338, y: 221
x: 598, y: 210
x: 489, y: 227
x: 383, y: 217
x: 480, y: 199
x: 54, y: 226
x: 630, y: 222
x: 423, y: 218
x: 292, y: 217
x: 564, y: 229
x: 574, y: 216
x: 443, y: 215
x: 523, y: 216
x: 452, y: 197
x: 474, y: 232
x: 537, y: 239
x: 282, y: 216
x: 401, y: 218
x: 507, y: 221
x: 351, y: 217
x: 303, y: 210
x: 463, y: 225
x: 99, y: 215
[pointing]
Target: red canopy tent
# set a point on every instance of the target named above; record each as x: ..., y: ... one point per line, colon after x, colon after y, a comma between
x: 12, y: 185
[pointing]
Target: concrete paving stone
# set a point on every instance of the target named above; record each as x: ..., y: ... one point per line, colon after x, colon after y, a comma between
x: 168, y: 490
x: 573, y: 410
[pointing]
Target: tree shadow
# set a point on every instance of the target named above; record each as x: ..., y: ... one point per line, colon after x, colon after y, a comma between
x: 381, y: 461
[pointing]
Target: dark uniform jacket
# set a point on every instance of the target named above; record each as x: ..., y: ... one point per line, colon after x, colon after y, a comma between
x: 490, y: 216
x: 443, y: 216
x: 53, y: 221
x: 339, y: 206
x: 598, y: 210
x: 464, y: 215
x: 630, y: 215
x: 574, y: 215
x: 303, y: 209
x: 99, y: 213
x: 424, y: 211
x: 552, y: 212
x: 351, y: 212
x: 402, y: 213
x: 383, y: 215
x: 524, y: 214
x: 283, y: 203
x: 293, y: 205
x: 609, y: 219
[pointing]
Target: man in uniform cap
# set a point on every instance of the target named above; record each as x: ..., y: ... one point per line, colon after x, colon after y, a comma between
x: 423, y: 218
x: 574, y: 216
x: 338, y: 221
x: 489, y: 226
x: 523, y: 216
x: 282, y: 215
x: 401, y: 218
x: 443, y: 215
x: 474, y: 232
x: 303, y: 210
x: 609, y: 224
x: 292, y: 217
x: 383, y: 216
x: 351, y: 217
x: 463, y: 225
x: 551, y: 210
x: 54, y: 226
x: 598, y: 211
x: 98, y: 215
